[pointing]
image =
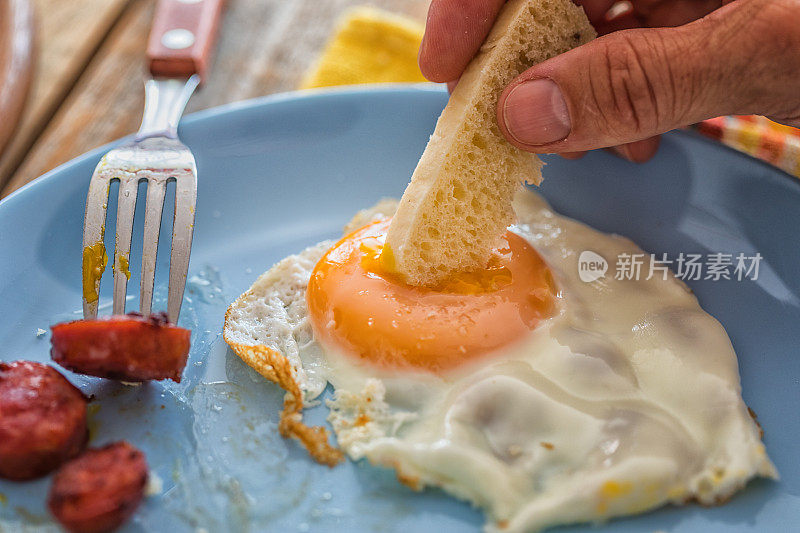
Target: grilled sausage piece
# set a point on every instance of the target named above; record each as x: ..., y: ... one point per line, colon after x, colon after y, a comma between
x: 100, y: 490
x: 125, y: 347
x: 42, y: 420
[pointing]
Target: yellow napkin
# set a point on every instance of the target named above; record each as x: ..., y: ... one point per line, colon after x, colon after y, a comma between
x: 369, y: 46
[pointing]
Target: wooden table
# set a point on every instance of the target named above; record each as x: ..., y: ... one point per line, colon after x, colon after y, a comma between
x: 87, y: 87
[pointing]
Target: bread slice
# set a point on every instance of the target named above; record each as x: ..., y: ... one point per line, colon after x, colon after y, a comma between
x: 458, y: 204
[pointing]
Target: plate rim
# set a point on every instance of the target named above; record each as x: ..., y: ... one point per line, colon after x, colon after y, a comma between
x: 339, y: 91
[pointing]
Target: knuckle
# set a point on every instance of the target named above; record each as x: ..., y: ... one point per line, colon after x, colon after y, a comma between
x: 773, y: 61
x: 772, y: 23
x: 629, y: 92
x: 780, y: 19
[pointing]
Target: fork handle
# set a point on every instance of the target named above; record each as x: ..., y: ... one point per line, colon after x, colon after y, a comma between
x: 182, y: 37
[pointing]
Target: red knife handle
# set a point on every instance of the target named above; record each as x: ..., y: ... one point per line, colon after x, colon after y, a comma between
x: 182, y: 37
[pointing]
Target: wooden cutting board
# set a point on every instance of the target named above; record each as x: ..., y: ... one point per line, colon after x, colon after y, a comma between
x: 16, y: 63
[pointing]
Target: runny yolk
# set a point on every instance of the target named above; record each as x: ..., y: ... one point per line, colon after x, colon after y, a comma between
x: 369, y: 313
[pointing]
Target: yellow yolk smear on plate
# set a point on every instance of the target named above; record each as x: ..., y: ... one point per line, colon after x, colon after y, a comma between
x: 355, y: 303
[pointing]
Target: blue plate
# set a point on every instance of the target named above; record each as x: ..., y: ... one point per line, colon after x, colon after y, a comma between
x: 284, y: 172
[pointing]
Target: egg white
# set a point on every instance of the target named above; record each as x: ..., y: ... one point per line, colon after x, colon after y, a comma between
x: 626, y: 399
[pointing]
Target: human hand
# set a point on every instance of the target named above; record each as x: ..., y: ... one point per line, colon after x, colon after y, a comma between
x: 663, y: 65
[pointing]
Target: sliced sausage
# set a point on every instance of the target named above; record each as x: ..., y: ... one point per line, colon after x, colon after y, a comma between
x: 42, y: 420
x: 100, y: 490
x: 125, y: 347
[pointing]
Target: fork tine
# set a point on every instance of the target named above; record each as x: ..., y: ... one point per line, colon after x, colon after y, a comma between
x: 94, y: 225
x: 152, y: 227
x: 126, y: 206
x: 182, y: 230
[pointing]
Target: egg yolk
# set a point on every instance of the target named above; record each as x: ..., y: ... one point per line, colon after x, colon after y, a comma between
x: 356, y: 304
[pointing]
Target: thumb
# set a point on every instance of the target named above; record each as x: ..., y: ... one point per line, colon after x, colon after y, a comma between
x: 631, y: 85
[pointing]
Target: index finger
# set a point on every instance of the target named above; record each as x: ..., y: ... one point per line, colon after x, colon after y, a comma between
x: 454, y: 32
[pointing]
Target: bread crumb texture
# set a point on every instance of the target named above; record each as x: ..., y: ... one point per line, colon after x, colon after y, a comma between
x: 458, y: 204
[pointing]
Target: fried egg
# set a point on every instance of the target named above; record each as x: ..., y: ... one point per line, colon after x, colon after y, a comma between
x: 539, y: 397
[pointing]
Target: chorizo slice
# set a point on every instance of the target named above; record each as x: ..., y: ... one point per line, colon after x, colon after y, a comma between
x: 100, y: 490
x: 125, y: 347
x: 42, y: 420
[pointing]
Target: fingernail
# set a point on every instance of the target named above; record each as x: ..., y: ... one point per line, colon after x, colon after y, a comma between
x: 536, y: 113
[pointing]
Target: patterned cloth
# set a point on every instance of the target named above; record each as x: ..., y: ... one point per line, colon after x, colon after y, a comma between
x: 760, y: 137
x: 373, y: 46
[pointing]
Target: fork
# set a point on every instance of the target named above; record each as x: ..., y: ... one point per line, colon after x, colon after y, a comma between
x: 178, y: 49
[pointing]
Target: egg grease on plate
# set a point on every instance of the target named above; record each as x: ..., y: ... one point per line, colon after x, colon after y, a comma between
x: 539, y: 397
